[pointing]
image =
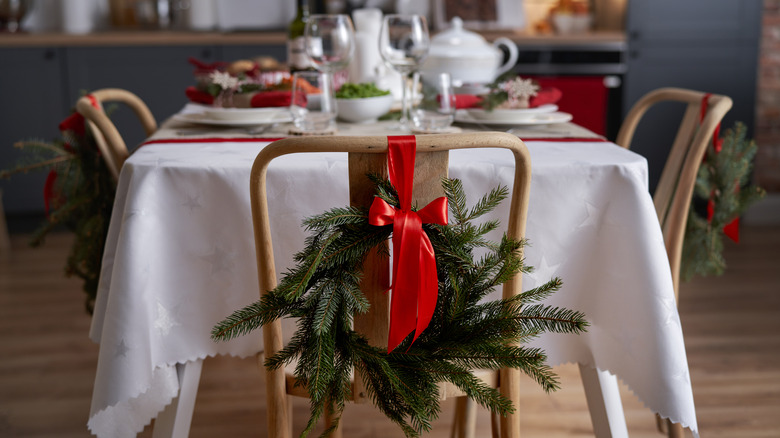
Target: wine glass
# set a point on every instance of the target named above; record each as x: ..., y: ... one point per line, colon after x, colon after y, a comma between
x: 403, y: 44
x: 330, y: 43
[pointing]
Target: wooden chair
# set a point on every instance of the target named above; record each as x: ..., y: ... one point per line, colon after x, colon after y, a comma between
x: 672, y: 197
x: 107, y: 137
x: 368, y: 154
x: 175, y: 419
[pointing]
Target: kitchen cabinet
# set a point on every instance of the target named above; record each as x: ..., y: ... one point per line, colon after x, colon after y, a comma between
x: 32, y: 106
x: 158, y: 75
x: 41, y: 81
x: 706, y: 45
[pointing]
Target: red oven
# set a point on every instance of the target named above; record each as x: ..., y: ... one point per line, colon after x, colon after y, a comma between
x: 590, y: 78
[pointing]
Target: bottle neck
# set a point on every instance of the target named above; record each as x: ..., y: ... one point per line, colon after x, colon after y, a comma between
x: 303, y: 9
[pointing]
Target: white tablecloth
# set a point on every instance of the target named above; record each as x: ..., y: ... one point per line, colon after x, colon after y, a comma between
x: 180, y: 257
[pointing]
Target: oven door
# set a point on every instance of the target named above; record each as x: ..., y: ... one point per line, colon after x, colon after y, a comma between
x: 590, y: 77
x: 593, y: 101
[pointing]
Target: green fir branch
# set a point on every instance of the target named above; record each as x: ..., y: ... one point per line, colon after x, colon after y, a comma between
x: 323, y: 291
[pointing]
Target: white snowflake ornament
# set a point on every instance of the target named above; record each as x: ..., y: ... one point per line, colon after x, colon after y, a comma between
x: 519, y: 91
x: 223, y: 79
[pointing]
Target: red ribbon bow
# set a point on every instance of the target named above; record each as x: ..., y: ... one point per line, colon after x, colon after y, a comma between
x: 415, y: 283
x: 74, y: 123
x: 732, y: 228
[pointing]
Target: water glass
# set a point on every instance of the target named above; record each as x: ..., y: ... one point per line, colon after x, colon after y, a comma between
x: 312, y: 106
x: 433, y: 105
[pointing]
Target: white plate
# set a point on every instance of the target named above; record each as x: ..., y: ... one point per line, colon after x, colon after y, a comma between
x: 510, y: 115
x: 462, y: 116
x: 243, y: 114
x: 203, y: 119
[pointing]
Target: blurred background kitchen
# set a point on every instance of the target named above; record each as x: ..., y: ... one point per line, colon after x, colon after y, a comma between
x: 603, y: 55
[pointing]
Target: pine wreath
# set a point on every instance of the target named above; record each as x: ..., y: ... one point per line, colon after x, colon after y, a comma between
x: 323, y: 293
x: 78, y: 194
x: 722, y: 180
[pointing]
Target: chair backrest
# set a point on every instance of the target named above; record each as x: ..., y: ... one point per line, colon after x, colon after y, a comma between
x: 107, y: 137
x: 672, y: 197
x: 368, y: 154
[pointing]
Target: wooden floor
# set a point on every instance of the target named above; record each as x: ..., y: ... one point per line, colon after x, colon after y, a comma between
x: 731, y: 325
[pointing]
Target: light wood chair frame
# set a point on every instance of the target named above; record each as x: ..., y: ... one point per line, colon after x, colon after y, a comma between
x: 107, y: 137
x: 368, y: 154
x: 672, y: 197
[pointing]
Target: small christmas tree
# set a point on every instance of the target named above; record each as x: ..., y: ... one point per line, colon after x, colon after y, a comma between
x: 78, y: 193
x: 723, y: 181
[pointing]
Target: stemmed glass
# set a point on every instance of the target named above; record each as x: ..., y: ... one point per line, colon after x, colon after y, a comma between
x: 330, y: 43
x: 403, y: 44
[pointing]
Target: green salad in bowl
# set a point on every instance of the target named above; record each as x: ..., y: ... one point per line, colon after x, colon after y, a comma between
x: 352, y: 90
x: 362, y: 103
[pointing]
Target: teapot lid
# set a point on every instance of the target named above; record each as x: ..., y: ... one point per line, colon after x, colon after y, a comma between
x: 458, y: 36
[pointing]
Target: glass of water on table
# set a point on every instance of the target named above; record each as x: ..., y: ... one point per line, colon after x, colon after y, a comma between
x: 433, y: 102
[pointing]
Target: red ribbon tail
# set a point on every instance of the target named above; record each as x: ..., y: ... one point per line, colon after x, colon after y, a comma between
x: 710, y: 210
x: 48, y: 190
x: 403, y: 303
x: 732, y: 230
x: 429, y: 287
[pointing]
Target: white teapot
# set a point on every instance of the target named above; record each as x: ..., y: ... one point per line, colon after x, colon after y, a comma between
x: 467, y: 57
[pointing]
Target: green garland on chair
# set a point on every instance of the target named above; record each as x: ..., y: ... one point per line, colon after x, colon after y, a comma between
x: 722, y: 180
x: 323, y: 293
x: 79, y: 194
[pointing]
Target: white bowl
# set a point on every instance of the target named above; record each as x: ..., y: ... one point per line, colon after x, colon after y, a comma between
x: 364, y: 109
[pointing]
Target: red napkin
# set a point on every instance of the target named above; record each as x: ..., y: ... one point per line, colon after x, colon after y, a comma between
x: 206, y: 68
x: 467, y: 101
x: 198, y: 96
x: 275, y: 98
x: 543, y: 97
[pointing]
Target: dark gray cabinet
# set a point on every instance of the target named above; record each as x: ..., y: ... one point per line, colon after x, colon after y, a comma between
x: 705, y: 45
x: 158, y: 75
x: 39, y: 86
x: 688, y: 21
x: 234, y: 52
x: 32, y: 106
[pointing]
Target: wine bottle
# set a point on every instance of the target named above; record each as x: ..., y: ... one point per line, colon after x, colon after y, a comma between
x: 297, y: 59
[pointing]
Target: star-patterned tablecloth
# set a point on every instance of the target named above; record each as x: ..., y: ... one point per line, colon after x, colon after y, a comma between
x: 180, y: 257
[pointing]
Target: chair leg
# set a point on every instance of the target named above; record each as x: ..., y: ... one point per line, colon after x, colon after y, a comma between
x: 339, y: 432
x: 494, y: 429
x: 675, y: 429
x: 465, y: 422
x: 603, y: 395
x: 174, y: 421
x: 660, y: 423
x: 510, y: 388
x: 290, y: 415
x: 278, y: 402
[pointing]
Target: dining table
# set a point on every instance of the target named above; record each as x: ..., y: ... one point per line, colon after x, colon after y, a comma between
x: 179, y: 257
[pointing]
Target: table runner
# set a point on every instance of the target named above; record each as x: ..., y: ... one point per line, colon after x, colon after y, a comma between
x: 173, y: 128
x: 179, y: 257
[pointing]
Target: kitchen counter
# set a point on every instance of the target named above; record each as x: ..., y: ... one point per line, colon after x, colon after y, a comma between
x: 141, y: 38
x: 173, y: 38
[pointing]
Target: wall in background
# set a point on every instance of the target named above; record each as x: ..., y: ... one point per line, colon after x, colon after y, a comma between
x: 767, y: 169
